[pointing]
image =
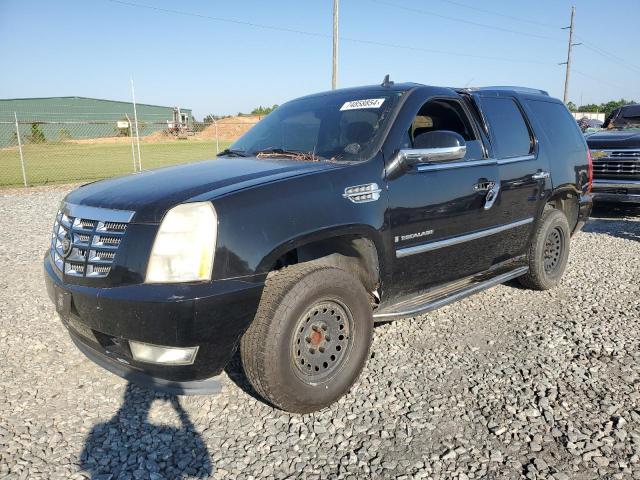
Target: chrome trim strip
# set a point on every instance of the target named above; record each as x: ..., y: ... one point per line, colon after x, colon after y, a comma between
x: 616, y: 183
x: 523, y: 158
x: 478, y: 287
x: 96, y: 213
x: 617, y: 150
x: 450, y: 165
x: 427, y: 247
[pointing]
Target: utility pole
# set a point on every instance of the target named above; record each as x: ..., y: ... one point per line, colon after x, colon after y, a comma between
x: 568, y: 62
x: 334, y: 71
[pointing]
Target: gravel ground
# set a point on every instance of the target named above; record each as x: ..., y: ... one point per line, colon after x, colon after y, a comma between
x: 506, y: 384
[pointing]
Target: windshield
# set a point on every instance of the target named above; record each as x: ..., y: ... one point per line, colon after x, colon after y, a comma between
x: 342, y: 126
x: 625, y: 118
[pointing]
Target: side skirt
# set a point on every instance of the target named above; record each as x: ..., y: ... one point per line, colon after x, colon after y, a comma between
x: 423, y: 303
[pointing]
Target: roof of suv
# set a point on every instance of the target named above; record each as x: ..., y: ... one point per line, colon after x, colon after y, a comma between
x: 405, y: 86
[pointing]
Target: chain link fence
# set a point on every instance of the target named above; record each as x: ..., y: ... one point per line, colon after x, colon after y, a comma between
x: 34, y: 152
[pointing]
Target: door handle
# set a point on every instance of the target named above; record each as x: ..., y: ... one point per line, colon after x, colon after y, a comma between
x: 492, y: 195
x: 540, y: 175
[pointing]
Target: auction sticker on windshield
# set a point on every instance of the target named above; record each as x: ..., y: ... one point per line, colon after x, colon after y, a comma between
x: 366, y: 103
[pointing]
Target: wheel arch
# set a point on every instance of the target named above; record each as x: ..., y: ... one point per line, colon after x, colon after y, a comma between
x: 355, y: 248
x: 567, y: 200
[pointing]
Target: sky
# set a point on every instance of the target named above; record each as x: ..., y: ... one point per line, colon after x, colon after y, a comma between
x: 226, y: 57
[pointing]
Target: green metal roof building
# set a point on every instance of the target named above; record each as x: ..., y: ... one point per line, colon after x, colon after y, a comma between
x: 81, y: 117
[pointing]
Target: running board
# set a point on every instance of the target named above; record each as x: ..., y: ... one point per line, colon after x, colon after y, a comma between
x: 454, y: 297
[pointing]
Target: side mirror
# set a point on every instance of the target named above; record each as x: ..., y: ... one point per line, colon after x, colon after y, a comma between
x: 430, y: 147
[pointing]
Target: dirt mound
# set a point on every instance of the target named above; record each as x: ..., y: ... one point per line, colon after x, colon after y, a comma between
x: 230, y: 128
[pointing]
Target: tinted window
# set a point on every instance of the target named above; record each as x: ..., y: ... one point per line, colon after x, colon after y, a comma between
x: 338, y: 126
x: 507, y: 126
x: 558, y: 124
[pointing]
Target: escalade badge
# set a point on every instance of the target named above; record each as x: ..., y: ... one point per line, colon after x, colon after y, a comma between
x: 66, y: 245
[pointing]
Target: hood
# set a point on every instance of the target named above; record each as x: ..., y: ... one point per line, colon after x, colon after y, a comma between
x: 613, y: 139
x: 150, y: 194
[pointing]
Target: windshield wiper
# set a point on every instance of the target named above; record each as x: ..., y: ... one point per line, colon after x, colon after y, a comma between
x: 294, y: 154
x: 232, y: 153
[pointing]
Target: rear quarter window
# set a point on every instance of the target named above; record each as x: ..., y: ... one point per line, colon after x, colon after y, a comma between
x: 558, y: 125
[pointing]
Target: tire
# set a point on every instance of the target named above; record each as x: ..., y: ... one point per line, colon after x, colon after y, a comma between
x: 548, y: 252
x: 310, y: 338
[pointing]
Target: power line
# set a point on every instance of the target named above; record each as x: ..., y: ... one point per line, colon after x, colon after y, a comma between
x: 444, y: 52
x: 325, y: 36
x: 219, y: 19
x: 604, y: 82
x: 504, y: 15
x: 467, y: 22
x: 609, y: 56
x: 596, y: 49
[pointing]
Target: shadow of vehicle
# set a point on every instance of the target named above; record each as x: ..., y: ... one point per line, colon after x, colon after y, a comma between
x: 235, y: 372
x: 130, y: 446
x: 615, y: 220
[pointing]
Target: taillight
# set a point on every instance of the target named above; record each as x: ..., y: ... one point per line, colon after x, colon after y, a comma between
x: 590, y: 171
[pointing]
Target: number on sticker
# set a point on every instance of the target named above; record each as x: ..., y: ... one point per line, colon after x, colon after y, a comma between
x: 366, y: 103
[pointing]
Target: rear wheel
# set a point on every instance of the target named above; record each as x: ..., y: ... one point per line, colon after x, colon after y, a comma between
x: 548, y: 252
x: 310, y: 338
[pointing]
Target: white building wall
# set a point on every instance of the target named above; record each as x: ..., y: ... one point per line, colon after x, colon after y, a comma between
x: 589, y: 115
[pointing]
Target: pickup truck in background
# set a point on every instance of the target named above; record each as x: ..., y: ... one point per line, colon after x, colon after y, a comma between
x: 615, y: 152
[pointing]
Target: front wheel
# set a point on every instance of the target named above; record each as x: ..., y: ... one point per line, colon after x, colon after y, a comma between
x: 310, y: 338
x: 548, y: 252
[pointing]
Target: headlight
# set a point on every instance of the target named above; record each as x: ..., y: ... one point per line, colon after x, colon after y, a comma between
x: 185, y: 244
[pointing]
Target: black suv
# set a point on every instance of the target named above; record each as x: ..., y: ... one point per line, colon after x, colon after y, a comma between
x: 616, y: 157
x: 337, y: 210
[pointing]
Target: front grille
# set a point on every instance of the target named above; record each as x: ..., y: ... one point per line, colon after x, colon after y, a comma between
x: 91, y: 244
x: 618, y: 164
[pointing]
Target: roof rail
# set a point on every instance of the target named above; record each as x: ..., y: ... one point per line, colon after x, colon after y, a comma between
x: 535, y: 91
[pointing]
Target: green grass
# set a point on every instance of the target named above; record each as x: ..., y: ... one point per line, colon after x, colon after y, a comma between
x: 68, y: 162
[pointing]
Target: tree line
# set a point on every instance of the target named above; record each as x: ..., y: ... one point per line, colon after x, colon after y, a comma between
x: 259, y: 110
x: 605, y: 108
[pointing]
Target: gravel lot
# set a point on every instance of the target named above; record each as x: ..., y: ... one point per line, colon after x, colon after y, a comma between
x: 506, y: 384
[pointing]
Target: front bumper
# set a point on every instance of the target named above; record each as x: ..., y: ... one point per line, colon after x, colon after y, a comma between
x: 623, y: 191
x: 212, y: 316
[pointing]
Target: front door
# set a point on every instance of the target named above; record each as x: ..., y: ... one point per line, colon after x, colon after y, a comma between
x: 439, y: 212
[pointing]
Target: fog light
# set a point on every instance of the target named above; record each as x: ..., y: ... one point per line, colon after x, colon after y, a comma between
x: 145, y: 352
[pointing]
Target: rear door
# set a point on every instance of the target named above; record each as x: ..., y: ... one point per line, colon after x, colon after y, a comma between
x: 524, y: 172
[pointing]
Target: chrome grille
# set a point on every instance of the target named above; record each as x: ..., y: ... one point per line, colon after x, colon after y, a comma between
x: 617, y: 164
x: 94, y: 240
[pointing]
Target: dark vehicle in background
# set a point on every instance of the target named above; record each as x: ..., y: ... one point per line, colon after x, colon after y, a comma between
x: 589, y: 124
x: 616, y: 157
x: 337, y: 210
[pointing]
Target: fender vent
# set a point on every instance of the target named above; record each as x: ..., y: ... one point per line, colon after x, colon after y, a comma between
x: 369, y: 192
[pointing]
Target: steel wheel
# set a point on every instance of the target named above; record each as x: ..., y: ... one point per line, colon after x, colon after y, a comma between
x: 553, y: 249
x: 322, y: 341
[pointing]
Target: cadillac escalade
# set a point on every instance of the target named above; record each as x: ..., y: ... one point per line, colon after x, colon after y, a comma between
x: 337, y: 210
